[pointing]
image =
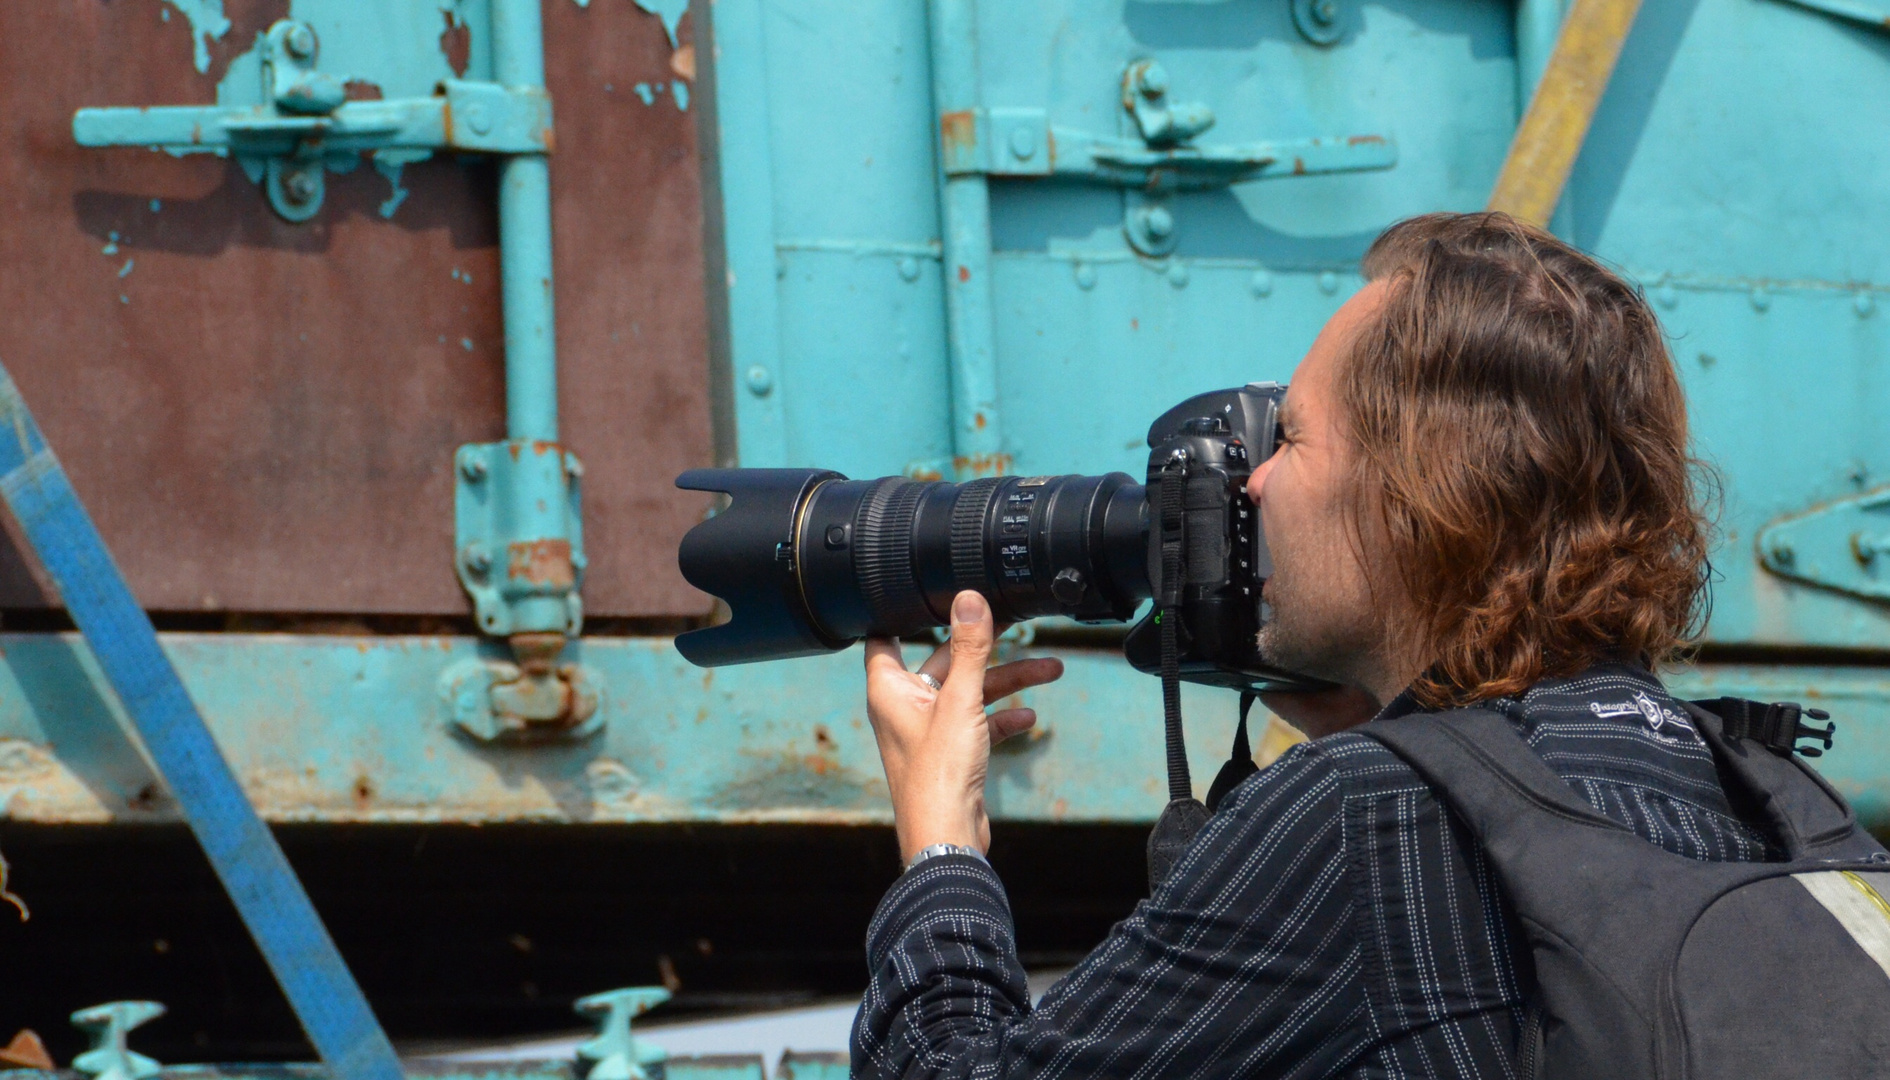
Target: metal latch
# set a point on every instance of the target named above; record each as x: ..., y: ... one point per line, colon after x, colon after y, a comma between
x: 613, y: 1053
x: 1156, y: 158
x: 109, y: 1027
x: 306, y: 121
x: 530, y: 698
x: 1842, y: 545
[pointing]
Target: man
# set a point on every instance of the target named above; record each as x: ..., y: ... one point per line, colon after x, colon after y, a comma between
x: 1483, y: 495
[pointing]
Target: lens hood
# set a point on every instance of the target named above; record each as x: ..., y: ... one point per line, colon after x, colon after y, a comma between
x: 745, y: 556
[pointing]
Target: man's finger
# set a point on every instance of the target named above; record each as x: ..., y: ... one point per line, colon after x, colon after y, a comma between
x: 1007, y: 679
x: 939, y: 664
x: 882, y: 655
x: 972, y: 634
x: 1008, y: 722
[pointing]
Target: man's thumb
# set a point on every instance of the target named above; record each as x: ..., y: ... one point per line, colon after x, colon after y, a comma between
x: 971, y: 637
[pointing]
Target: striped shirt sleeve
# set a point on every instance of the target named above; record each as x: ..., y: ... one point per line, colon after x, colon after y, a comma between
x: 1243, y: 964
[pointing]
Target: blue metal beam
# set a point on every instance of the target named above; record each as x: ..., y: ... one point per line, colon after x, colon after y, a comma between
x: 265, y: 890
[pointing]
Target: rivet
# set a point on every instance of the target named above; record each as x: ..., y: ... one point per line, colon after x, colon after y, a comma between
x: 1328, y: 283
x: 1783, y: 553
x: 478, y: 560
x: 473, y: 468
x: 909, y: 268
x: 478, y: 119
x: 1262, y: 283
x: 299, y: 185
x: 759, y: 381
x: 1085, y: 275
x: 1158, y: 222
x: 1023, y: 143
x: 1760, y: 298
x: 300, y: 41
x: 1863, y: 303
x: 1666, y: 296
x: 1178, y: 274
x: 1707, y: 360
x: 1154, y: 80
x: 1325, y: 12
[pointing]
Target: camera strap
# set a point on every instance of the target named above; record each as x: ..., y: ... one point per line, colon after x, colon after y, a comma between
x: 1184, y: 815
x: 1239, y: 761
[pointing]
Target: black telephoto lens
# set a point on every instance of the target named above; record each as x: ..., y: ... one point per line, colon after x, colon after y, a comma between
x: 809, y: 561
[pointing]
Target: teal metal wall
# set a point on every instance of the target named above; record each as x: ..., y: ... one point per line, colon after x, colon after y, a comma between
x: 877, y: 318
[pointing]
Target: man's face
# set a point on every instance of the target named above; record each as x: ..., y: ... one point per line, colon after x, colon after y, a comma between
x: 1324, y: 619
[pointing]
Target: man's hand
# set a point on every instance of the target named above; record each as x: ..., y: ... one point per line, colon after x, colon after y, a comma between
x: 936, y: 745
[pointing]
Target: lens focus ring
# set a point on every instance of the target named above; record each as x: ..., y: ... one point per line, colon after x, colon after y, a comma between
x: 883, y: 550
x: 968, y: 514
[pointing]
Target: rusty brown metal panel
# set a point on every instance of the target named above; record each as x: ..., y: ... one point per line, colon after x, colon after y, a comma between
x: 262, y: 416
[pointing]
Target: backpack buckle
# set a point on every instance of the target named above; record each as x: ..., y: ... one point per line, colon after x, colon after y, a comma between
x: 1778, y: 726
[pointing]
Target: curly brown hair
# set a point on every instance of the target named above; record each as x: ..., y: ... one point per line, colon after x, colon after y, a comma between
x: 1522, y: 431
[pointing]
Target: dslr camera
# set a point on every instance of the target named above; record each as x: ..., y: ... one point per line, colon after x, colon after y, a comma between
x: 810, y: 562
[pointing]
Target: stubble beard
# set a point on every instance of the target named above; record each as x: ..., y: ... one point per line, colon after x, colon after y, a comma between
x: 1310, y: 635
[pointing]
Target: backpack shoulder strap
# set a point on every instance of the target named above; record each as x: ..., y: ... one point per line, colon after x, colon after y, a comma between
x: 1493, y: 779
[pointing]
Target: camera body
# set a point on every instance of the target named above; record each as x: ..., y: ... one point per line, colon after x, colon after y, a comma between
x: 1210, y: 445
x: 809, y: 561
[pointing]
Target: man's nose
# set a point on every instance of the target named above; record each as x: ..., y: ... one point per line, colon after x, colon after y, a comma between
x: 1258, y: 480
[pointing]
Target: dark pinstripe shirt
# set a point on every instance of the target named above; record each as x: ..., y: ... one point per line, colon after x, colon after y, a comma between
x: 1333, y: 919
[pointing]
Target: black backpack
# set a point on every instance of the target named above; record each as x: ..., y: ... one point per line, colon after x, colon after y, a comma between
x: 1649, y: 964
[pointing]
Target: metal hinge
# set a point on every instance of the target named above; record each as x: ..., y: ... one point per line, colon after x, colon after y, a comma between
x: 1842, y: 545
x: 1158, y: 158
x: 287, y: 142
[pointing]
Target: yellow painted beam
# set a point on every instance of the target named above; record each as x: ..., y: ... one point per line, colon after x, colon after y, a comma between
x: 1552, y: 131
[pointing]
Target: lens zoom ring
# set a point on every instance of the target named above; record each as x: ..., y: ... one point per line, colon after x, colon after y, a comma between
x: 883, y: 546
x: 968, y: 514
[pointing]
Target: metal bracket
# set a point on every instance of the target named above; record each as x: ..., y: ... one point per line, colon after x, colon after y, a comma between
x: 306, y: 120
x: 519, y: 536
x: 1155, y: 160
x: 1842, y: 545
x: 613, y: 1053
x: 109, y: 1026
x: 534, y: 699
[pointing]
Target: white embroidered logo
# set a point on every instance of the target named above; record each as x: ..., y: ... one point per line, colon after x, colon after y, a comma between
x: 1658, y: 717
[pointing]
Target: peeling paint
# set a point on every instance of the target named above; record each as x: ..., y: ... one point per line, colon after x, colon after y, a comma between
x: 670, y: 11
x: 206, y: 24
x: 647, y: 92
x: 389, y: 164
x: 681, y: 91
x: 125, y: 270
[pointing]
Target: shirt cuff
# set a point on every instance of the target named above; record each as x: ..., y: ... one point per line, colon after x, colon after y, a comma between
x: 960, y: 884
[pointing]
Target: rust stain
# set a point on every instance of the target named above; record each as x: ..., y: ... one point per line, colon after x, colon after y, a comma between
x: 363, y: 792
x: 1299, y: 166
x: 456, y: 44
x: 1365, y: 140
x: 926, y: 474
x: 361, y: 90
x: 1135, y: 324
x: 682, y: 63
x: 958, y: 131
x: 979, y: 421
x: 824, y: 739
x: 964, y: 273
x: 541, y: 562
x: 541, y: 447
x: 998, y: 464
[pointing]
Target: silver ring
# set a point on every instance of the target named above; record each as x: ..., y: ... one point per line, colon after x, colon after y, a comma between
x: 931, y: 682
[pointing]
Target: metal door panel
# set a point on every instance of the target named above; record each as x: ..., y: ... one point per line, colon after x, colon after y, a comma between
x: 261, y: 415
x: 1725, y: 171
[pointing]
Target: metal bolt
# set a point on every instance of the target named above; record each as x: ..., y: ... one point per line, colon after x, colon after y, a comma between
x: 478, y: 559
x: 300, y: 41
x: 478, y: 119
x: 1085, y: 275
x: 1325, y: 12
x: 1154, y: 80
x: 1863, y: 304
x: 473, y: 468
x: 759, y: 381
x: 1761, y: 299
x: 1328, y: 283
x: 1262, y: 283
x: 1178, y: 274
x: 1023, y: 143
x: 299, y: 185
x: 909, y: 268
x: 1157, y: 222
x: 1666, y: 296
x: 1783, y: 553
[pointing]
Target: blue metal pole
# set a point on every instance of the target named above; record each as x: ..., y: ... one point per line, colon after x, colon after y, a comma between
x: 259, y: 880
x: 965, y: 213
x: 531, y: 348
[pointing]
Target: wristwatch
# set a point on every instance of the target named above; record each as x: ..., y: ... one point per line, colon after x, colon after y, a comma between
x: 935, y: 850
